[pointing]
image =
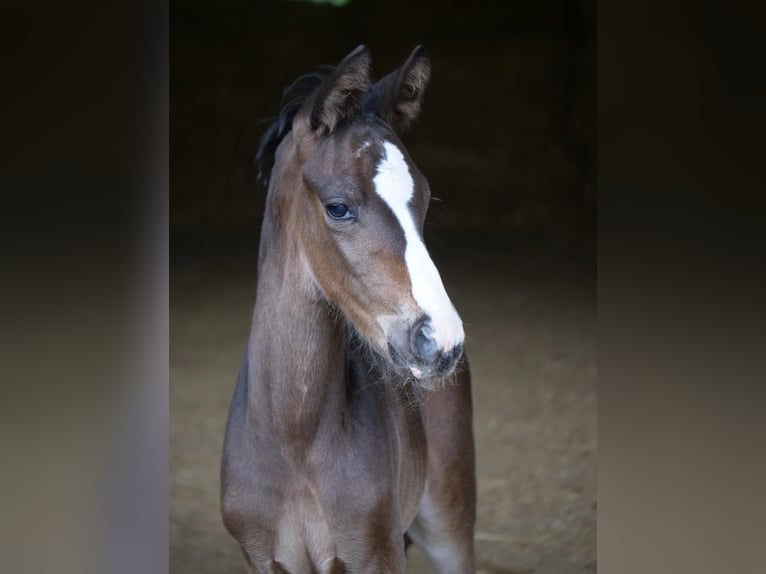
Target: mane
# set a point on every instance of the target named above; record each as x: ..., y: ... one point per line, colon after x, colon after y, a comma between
x: 293, y: 97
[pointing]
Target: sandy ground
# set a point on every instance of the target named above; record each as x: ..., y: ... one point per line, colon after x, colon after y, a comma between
x: 530, y: 323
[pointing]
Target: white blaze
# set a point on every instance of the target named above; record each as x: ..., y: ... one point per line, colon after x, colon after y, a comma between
x: 394, y: 184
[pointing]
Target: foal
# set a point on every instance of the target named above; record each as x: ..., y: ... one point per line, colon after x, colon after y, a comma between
x: 343, y: 436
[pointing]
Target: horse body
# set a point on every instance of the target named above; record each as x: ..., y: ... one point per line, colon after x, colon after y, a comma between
x: 340, y: 436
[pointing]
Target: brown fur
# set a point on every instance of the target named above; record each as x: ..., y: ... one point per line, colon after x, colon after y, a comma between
x: 328, y: 459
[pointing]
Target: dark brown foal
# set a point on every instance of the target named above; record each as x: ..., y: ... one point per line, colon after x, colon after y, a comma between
x: 351, y: 418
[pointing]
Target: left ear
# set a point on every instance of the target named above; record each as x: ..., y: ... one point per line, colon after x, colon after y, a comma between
x: 398, y: 97
x: 338, y: 97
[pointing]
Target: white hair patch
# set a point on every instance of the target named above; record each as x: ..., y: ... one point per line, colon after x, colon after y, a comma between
x: 394, y: 184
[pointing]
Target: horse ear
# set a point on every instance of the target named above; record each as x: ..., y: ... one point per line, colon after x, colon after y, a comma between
x: 398, y: 97
x: 339, y: 96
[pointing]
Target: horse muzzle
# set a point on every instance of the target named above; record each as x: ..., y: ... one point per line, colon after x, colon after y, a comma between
x: 425, y: 357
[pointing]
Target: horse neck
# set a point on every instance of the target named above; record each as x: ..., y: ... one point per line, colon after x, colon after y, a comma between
x: 296, y: 349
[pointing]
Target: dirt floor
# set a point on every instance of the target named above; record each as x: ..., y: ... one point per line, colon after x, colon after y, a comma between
x: 530, y: 324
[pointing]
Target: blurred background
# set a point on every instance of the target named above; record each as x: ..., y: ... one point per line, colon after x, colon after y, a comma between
x: 507, y: 142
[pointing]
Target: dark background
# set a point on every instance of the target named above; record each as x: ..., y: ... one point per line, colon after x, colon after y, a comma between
x: 506, y: 138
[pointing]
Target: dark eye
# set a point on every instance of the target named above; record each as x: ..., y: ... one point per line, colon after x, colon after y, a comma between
x: 338, y: 211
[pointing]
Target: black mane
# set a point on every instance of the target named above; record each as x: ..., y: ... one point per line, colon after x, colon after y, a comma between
x: 293, y: 97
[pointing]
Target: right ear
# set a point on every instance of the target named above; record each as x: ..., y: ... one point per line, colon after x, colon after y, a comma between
x: 398, y: 97
x: 338, y: 97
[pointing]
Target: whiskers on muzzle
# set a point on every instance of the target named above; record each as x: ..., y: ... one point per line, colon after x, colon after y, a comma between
x: 411, y: 359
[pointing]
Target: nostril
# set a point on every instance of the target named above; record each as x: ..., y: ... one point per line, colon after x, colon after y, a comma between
x: 425, y: 345
x: 457, y: 351
x: 445, y: 361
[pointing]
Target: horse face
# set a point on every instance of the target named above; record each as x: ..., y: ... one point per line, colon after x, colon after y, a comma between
x: 358, y: 203
x: 367, y: 201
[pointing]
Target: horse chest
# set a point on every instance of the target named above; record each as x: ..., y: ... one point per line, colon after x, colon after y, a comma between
x: 355, y: 490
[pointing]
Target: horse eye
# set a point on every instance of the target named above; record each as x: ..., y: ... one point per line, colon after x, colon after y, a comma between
x: 338, y: 211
